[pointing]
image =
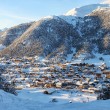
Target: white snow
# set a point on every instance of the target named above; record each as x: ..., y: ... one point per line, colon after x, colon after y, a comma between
x: 34, y: 99
x: 49, y: 17
x: 106, y: 2
x: 85, y: 10
x: 70, y: 19
x: 98, y: 62
x: 82, y: 58
x: 70, y: 56
x: 2, y: 47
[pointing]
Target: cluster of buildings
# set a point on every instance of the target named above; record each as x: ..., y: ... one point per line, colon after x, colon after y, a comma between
x: 31, y: 72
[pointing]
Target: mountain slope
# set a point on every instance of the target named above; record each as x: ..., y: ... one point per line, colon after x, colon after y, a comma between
x: 43, y: 38
x: 8, y: 36
x: 57, y: 36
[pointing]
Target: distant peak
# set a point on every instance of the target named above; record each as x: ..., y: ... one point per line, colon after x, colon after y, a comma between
x: 106, y: 2
x: 85, y: 10
x: 49, y: 17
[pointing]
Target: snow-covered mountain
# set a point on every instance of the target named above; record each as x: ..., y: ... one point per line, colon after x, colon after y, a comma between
x: 105, y: 1
x: 43, y: 37
x: 58, y: 36
x: 85, y: 10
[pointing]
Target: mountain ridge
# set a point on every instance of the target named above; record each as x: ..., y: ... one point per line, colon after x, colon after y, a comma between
x: 55, y: 36
x: 85, y: 10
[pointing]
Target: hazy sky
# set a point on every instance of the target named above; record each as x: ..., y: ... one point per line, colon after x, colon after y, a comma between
x: 13, y: 12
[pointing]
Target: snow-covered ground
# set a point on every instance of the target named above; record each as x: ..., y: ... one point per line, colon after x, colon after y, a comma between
x: 2, y: 47
x: 97, y: 61
x: 34, y: 99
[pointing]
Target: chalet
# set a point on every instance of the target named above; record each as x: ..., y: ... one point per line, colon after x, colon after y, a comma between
x: 61, y: 84
x: 70, y: 75
x: 98, y: 73
x: 17, y: 60
x: 107, y: 73
x: 35, y: 69
x: 40, y: 83
x: 87, y: 91
x: 64, y: 66
x: 49, y: 85
x: 19, y: 87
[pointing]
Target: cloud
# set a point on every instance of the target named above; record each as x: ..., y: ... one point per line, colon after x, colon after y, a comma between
x: 19, y: 17
x: 106, y: 1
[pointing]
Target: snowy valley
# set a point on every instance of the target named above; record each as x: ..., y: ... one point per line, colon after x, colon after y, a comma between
x: 57, y: 62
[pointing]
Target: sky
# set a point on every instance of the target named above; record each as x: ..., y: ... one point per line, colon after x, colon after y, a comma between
x: 13, y: 12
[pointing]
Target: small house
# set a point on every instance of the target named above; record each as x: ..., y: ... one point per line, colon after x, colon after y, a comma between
x: 107, y: 73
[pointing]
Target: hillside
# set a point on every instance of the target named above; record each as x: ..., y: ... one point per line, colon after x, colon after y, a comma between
x: 58, y: 36
x: 57, y: 62
x: 9, y: 35
x: 43, y: 37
